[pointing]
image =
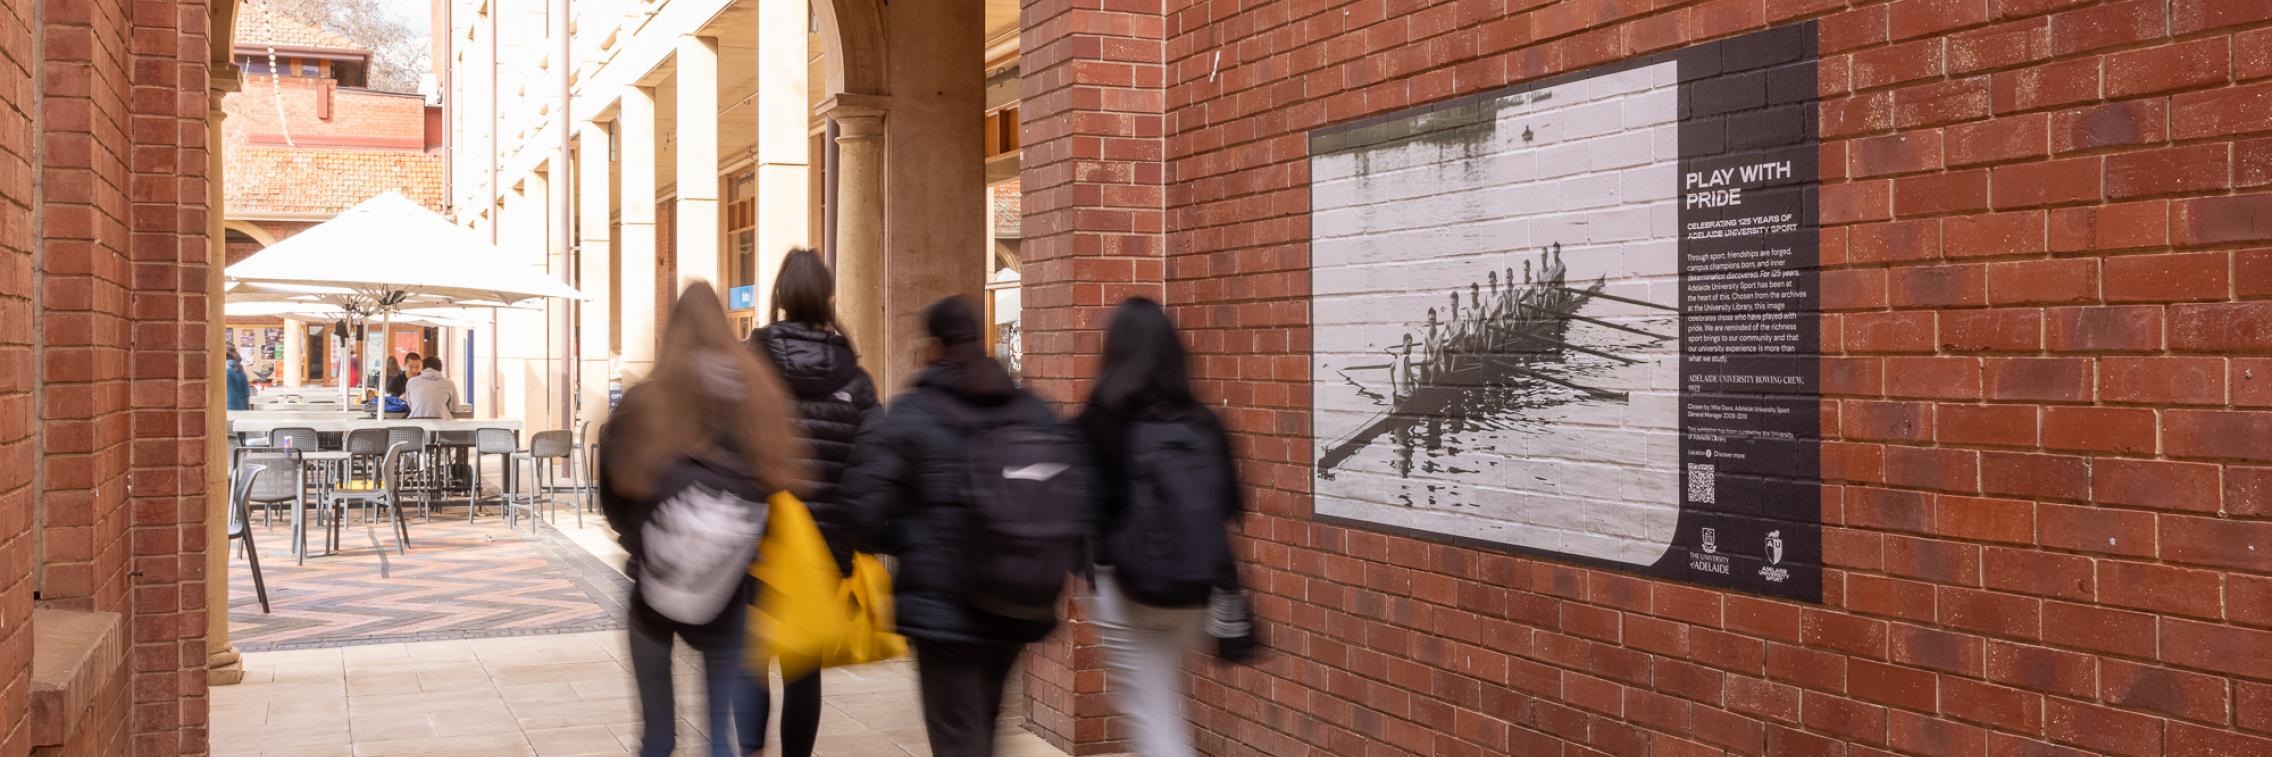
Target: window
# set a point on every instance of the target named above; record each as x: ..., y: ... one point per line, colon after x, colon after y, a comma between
x: 254, y: 65
x: 741, y: 229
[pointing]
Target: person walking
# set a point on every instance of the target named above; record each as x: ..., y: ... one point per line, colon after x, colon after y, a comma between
x: 240, y: 387
x: 833, y: 397
x: 692, y: 455
x: 431, y: 394
x: 1170, y: 497
x: 986, y: 498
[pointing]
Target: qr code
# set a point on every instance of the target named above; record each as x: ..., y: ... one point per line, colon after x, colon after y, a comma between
x: 1703, y: 482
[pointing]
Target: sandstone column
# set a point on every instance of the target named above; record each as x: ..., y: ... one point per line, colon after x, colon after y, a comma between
x: 697, y: 218
x: 293, y: 369
x: 635, y: 124
x: 222, y: 665
x: 784, y: 144
x: 594, y: 264
x: 860, y: 293
x: 935, y: 240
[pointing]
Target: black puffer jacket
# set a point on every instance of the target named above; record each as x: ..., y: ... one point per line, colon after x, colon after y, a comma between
x: 834, y: 397
x: 908, y: 494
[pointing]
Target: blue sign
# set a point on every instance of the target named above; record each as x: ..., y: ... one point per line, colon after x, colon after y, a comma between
x: 741, y: 298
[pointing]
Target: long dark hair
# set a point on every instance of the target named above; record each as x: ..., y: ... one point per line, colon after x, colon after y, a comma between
x: 707, y: 396
x: 962, y: 348
x: 1144, y: 362
x: 802, y: 292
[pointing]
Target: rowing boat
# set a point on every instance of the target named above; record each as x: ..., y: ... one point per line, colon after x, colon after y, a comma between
x: 1492, y: 353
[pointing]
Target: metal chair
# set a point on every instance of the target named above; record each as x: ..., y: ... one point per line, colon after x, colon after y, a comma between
x: 364, y: 446
x: 503, y: 442
x: 296, y: 437
x: 547, y: 450
x: 417, y: 477
x: 241, y: 481
x: 383, y: 490
x: 287, y: 481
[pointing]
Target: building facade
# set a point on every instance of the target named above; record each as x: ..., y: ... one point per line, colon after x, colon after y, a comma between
x: 109, y: 301
x: 304, y: 140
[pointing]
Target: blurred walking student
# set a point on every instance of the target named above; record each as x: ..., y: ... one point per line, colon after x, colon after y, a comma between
x: 987, y: 500
x: 833, y: 396
x: 1163, y: 546
x: 692, y: 454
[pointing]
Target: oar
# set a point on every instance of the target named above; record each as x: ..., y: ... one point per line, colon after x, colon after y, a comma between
x: 1596, y: 392
x: 1626, y: 300
x: 1596, y: 321
x: 1576, y: 348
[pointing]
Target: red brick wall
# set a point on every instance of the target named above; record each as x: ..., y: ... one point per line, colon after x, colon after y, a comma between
x: 2047, y: 516
x: 1092, y: 185
x: 358, y: 118
x: 120, y: 275
x: 17, y: 416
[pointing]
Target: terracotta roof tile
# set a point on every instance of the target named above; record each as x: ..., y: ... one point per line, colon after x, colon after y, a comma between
x: 259, y: 26
x: 325, y: 181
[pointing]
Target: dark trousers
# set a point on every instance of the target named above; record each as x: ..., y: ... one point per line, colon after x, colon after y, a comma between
x: 800, y: 713
x: 962, y: 693
x: 720, y: 643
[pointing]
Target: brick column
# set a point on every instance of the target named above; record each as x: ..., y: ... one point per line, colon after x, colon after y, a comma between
x: 19, y: 72
x: 1093, y: 181
x: 169, y: 262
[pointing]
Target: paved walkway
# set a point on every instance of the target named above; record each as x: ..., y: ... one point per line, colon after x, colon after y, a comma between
x: 362, y: 692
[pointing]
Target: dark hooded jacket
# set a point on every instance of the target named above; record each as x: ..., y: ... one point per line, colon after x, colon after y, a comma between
x: 908, y: 494
x: 834, y: 396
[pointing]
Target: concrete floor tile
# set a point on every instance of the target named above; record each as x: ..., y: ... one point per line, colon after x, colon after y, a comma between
x: 381, y: 683
x: 579, y: 740
x: 491, y: 743
x: 568, y: 672
x: 473, y: 722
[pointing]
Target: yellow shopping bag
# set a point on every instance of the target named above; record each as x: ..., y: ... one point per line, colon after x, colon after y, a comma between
x: 807, y: 615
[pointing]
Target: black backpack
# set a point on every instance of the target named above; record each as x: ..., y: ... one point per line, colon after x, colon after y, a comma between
x: 1030, y: 508
x: 1172, y: 545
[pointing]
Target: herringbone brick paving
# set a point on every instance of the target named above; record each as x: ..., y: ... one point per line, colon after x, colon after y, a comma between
x: 458, y: 581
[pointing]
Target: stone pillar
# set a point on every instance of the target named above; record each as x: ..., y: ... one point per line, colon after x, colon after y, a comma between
x: 635, y: 125
x: 223, y: 666
x: 293, y: 369
x: 859, y: 222
x: 935, y: 238
x: 594, y: 265
x: 784, y: 143
x: 696, y: 221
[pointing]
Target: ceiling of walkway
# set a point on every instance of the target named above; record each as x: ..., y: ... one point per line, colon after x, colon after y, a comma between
x: 737, y: 84
x: 1001, y: 17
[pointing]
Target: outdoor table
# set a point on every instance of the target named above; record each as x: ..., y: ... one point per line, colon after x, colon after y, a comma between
x: 331, y: 462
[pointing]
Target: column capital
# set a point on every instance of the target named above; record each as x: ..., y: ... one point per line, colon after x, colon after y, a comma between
x: 856, y: 115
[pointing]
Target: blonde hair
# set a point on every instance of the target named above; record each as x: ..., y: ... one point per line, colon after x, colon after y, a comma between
x: 707, y: 390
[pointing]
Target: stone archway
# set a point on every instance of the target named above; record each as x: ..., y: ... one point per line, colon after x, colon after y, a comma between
x: 852, y: 47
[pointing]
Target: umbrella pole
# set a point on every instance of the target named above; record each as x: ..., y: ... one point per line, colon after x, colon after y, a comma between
x: 386, y: 352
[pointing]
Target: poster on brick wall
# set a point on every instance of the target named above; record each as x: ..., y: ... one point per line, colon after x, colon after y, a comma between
x: 1578, y: 317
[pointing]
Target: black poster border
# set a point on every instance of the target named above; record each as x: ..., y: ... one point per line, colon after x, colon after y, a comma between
x: 1784, y: 60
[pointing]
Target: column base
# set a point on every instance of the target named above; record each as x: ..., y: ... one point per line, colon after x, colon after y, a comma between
x: 224, y: 667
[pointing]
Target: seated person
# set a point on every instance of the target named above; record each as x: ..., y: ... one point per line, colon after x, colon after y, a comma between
x: 431, y: 394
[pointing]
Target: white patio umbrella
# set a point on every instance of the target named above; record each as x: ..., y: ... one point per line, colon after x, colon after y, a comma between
x: 383, y: 256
